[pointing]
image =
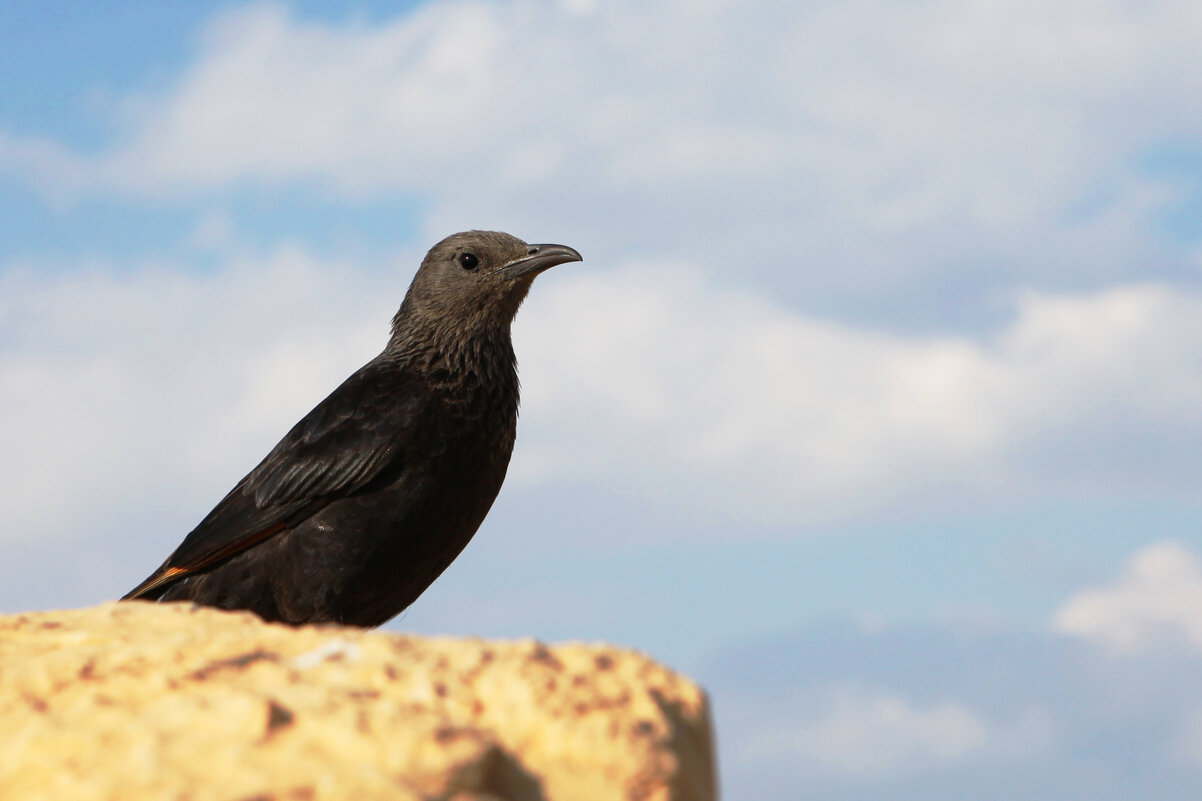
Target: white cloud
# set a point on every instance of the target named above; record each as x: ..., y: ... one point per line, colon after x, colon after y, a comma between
x: 733, y: 131
x: 1158, y: 600
x: 652, y: 380
x: 878, y: 735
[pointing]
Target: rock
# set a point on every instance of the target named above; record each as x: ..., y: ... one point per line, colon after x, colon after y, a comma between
x: 169, y: 701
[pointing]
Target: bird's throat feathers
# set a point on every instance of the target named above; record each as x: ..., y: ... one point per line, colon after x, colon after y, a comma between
x: 474, y: 348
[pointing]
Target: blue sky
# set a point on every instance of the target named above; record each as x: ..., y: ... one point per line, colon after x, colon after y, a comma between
x: 874, y: 404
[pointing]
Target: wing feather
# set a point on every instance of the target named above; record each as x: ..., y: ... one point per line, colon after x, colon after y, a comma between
x: 338, y: 448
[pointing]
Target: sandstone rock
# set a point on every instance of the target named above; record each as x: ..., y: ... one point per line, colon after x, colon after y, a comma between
x: 144, y: 701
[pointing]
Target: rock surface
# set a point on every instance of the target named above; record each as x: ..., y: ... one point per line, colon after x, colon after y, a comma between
x: 141, y: 701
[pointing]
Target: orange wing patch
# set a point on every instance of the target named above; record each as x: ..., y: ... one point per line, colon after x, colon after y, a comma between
x: 170, y: 574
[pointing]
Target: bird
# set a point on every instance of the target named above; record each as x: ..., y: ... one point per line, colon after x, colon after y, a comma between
x: 373, y: 494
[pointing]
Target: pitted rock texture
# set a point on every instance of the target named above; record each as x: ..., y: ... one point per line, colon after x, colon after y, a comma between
x: 170, y: 701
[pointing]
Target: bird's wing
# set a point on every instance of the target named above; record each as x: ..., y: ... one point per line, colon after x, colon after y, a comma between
x: 336, y: 449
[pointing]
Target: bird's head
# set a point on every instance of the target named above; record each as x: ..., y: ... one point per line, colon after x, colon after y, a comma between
x: 476, y: 278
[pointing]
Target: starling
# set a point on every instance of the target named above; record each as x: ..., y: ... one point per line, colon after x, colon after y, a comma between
x: 366, y: 501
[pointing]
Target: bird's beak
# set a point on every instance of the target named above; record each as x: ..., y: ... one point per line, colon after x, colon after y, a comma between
x: 539, y: 258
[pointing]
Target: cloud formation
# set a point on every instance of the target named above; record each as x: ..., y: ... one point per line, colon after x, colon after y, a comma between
x: 734, y: 404
x: 1157, y: 601
x: 879, y: 736
x: 922, y: 711
x: 865, y: 149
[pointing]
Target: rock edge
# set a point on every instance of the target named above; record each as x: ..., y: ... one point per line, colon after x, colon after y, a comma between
x: 139, y: 700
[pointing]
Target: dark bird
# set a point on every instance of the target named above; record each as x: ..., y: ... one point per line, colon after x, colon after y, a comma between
x: 365, y: 502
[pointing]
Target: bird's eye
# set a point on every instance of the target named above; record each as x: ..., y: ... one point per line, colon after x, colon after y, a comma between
x: 468, y: 261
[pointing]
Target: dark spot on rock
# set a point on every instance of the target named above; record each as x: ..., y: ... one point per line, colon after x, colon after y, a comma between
x: 477, y: 708
x: 233, y: 662
x: 440, y: 690
x: 604, y: 662
x: 51, y: 624
x: 390, y: 672
x: 543, y: 654
x: 88, y: 671
x: 644, y: 728
x: 446, y: 734
x: 278, y: 717
x: 37, y: 703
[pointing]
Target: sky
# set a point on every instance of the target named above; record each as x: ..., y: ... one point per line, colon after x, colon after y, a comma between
x: 875, y: 405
